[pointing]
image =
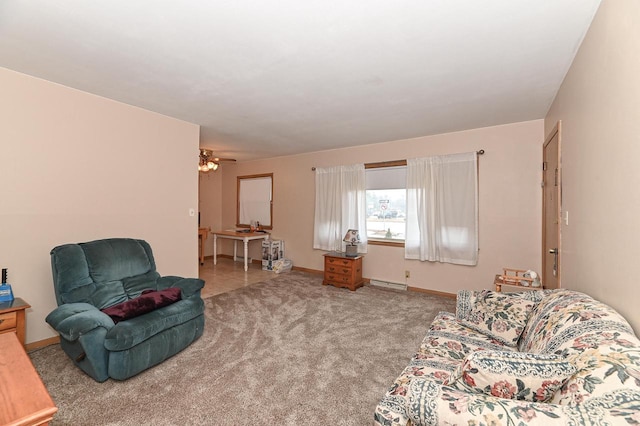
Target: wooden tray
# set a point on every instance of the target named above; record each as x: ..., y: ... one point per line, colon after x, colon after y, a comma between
x: 514, y: 277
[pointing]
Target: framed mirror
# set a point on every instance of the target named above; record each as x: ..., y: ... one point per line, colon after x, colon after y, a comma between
x: 255, y: 200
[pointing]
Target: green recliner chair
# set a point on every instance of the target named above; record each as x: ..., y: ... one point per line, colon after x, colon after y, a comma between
x: 115, y: 273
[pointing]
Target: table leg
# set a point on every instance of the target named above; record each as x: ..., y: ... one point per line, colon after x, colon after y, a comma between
x: 235, y: 249
x: 215, y: 249
x: 246, y: 254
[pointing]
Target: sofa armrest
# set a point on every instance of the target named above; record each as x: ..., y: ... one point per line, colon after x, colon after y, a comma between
x: 189, y: 286
x: 72, y: 320
x: 465, y: 300
x: 431, y: 403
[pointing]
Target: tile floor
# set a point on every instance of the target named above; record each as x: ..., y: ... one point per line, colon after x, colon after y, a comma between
x: 228, y: 275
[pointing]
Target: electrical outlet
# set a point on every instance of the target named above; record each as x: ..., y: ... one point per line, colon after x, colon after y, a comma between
x: 407, y: 274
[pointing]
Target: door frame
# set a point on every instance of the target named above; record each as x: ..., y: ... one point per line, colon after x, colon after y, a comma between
x: 557, y: 130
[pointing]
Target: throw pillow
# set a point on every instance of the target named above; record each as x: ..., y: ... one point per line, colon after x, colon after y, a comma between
x: 499, y: 316
x: 148, y: 301
x: 512, y: 375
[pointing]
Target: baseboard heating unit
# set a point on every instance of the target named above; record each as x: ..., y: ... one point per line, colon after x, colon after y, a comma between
x: 388, y: 284
x: 241, y: 259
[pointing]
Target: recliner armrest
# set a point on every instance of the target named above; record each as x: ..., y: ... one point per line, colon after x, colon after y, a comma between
x: 72, y: 320
x: 189, y: 286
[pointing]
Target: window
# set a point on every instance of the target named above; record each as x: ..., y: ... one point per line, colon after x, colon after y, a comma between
x: 442, y: 206
x: 386, y: 202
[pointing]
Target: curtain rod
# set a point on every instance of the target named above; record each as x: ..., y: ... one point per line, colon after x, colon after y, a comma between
x: 479, y: 152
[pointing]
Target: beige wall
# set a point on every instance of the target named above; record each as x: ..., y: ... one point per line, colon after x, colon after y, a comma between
x: 77, y: 167
x: 210, y: 190
x: 599, y: 105
x: 510, y: 204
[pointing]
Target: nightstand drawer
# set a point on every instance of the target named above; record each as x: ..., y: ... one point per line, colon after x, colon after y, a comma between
x: 8, y: 321
x: 337, y: 262
x: 338, y: 269
x: 337, y: 278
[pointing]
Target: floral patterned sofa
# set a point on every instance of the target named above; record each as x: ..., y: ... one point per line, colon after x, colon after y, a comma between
x: 532, y: 358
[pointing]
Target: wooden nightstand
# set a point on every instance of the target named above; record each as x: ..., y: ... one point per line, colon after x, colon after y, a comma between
x: 343, y: 271
x: 12, y: 318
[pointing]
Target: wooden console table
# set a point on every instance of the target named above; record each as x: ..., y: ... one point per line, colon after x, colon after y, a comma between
x: 25, y: 401
x: 236, y: 236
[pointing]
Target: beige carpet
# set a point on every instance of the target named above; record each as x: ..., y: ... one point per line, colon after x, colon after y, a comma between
x: 287, y: 351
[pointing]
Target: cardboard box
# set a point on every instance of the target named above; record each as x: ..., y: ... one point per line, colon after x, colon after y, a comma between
x: 272, y: 250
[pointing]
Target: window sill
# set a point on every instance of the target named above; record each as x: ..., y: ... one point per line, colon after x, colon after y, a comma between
x: 388, y: 243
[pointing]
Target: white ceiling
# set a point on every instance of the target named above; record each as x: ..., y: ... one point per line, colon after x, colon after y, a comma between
x: 269, y: 78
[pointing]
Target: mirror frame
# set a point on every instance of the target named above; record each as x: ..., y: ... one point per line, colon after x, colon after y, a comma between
x: 248, y: 177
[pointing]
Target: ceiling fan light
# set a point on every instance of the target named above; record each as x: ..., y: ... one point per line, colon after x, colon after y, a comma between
x: 208, y: 162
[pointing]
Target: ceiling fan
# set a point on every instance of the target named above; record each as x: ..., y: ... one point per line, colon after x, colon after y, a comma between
x: 208, y: 161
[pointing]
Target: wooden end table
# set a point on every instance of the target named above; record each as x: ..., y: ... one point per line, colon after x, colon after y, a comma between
x: 343, y: 271
x: 12, y: 318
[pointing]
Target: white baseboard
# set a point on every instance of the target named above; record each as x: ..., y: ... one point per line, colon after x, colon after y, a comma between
x: 388, y: 284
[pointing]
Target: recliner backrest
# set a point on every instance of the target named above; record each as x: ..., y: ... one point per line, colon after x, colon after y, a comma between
x: 102, y: 272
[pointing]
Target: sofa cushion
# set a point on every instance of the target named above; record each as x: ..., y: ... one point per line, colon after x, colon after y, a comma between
x: 148, y: 301
x: 446, y: 344
x: 127, y: 334
x: 499, y: 316
x: 116, y: 258
x: 465, y: 299
x: 512, y: 375
x: 134, y: 286
x: 600, y: 342
x: 103, y: 272
x: 70, y: 272
x: 449, y: 339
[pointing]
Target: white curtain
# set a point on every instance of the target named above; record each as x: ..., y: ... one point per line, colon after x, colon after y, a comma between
x: 340, y: 206
x: 442, y: 209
